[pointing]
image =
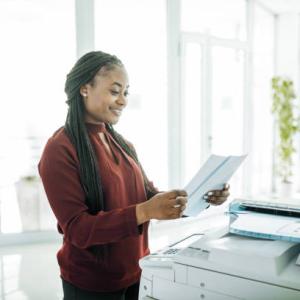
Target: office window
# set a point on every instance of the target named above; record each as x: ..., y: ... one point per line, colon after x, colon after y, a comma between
x: 192, y: 111
x: 227, y: 100
x: 263, y: 70
x: 138, y: 38
x: 38, y: 50
x: 225, y: 19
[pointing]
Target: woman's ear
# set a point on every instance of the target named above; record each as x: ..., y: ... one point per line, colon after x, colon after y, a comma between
x: 83, y: 91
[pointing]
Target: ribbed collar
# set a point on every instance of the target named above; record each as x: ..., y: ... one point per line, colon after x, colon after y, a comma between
x: 95, y: 128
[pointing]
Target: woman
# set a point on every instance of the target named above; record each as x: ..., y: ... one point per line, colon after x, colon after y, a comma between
x: 97, y: 188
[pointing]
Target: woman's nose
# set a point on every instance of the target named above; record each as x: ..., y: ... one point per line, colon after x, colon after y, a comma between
x: 122, y: 100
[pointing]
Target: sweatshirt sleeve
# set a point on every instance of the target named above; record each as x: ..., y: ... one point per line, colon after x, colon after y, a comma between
x: 59, y: 172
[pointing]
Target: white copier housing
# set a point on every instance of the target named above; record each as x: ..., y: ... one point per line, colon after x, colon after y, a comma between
x: 220, y: 266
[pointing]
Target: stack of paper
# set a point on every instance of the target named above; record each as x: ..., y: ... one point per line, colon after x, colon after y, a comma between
x: 216, y: 171
x: 263, y: 225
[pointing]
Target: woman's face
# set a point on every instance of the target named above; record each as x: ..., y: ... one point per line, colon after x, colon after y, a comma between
x: 106, y: 97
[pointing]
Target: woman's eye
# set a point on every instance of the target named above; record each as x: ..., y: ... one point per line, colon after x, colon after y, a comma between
x: 114, y: 92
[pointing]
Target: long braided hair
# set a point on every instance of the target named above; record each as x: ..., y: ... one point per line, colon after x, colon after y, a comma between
x: 82, y: 73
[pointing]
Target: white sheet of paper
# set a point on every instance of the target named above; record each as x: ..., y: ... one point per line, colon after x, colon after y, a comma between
x: 215, y: 172
x: 260, y: 225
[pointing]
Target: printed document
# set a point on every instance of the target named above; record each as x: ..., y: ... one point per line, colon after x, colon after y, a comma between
x: 266, y: 226
x: 215, y: 172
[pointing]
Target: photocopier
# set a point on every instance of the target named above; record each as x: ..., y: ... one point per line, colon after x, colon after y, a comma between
x: 219, y: 265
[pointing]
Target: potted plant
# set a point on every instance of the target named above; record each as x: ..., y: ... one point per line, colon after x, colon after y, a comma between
x: 28, y: 201
x: 35, y: 211
x: 287, y: 124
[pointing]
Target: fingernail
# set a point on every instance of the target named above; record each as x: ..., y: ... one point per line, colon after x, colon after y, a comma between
x: 205, y: 197
x: 210, y: 193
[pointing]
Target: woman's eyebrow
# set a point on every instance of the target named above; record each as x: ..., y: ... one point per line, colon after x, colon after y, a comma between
x: 119, y: 84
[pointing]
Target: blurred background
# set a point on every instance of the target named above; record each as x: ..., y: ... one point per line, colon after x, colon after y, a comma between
x: 200, y: 83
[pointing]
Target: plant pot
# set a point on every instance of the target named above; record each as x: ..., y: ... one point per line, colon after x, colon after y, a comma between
x: 285, y: 190
x: 28, y: 201
x: 35, y: 211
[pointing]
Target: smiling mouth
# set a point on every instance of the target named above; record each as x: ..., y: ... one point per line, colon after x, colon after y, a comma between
x: 117, y: 112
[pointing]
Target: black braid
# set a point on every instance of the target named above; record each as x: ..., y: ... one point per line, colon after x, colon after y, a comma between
x: 89, y: 173
x: 82, y: 73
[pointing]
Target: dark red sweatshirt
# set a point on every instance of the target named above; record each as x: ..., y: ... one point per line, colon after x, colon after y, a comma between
x: 116, y: 227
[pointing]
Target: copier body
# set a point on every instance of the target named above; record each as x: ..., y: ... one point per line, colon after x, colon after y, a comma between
x: 221, y: 265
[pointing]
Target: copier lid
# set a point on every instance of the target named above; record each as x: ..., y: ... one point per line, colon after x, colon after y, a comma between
x: 238, y: 252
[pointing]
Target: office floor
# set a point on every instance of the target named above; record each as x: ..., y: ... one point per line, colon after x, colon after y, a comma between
x: 30, y: 272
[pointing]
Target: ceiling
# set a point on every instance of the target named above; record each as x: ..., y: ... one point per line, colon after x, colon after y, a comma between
x: 281, y: 6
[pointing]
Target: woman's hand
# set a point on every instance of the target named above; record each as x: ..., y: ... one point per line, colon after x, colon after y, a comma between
x: 217, y: 197
x: 162, y: 206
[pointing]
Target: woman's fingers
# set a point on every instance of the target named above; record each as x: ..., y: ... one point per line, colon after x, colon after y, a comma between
x: 216, y: 200
x: 178, y: 206
x: 226, y: 186
x: 217, y: 197
x: 218, y: 193
x: 225, y: 193
x: 175, y: 194
x: 166, y: 205
x: 179, y: 201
